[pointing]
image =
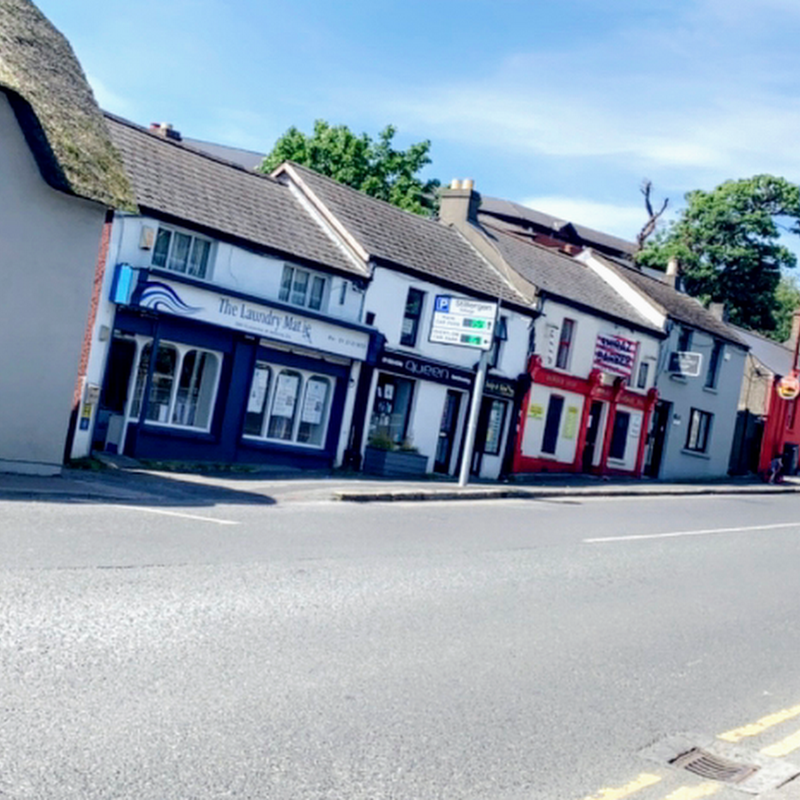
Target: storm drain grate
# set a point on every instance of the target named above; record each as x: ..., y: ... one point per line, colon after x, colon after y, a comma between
x: 707, y: 765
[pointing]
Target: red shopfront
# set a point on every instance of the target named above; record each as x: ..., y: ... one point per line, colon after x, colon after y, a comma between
x: 573, y: 424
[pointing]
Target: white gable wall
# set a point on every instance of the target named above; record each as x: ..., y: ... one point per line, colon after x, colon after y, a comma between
x: 49, y: 243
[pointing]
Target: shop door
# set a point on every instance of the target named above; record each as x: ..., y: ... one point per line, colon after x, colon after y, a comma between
x: 114, y: 396
x: 656, y: 438
x: 447, y: 431
x: 592, y: 431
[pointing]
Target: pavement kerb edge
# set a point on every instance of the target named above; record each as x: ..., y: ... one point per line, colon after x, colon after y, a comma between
x: 533, y: 494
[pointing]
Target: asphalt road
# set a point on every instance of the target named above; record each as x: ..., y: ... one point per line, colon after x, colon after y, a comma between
x: 492, y: 650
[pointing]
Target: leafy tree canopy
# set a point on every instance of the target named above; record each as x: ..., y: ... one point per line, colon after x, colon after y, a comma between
x: 373, y: 167
x: 787, y: 296
x: 727, y: 244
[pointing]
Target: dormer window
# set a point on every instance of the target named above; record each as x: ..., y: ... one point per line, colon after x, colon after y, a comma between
x: 181, y: 252
x: 300, y: 288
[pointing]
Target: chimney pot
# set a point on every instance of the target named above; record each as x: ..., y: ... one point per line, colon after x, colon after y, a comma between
x: 455, y: 183
x: 468, y: 183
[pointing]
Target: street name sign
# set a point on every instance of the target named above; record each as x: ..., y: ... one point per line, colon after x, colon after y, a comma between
x: 463, y: 322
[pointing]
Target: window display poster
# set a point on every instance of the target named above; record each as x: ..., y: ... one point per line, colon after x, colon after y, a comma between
x: 314, y: 403
x: 285, y: 395
x: 258, y: 391
x: 493, y: 429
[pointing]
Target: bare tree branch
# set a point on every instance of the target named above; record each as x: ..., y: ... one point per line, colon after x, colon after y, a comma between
x: 652, y: 217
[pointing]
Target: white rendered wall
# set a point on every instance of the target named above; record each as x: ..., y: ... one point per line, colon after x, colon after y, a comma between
x: 534, y: 425
x: 49, y: 243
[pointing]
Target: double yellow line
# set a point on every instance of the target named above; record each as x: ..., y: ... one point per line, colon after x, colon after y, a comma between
x: 777, y: 750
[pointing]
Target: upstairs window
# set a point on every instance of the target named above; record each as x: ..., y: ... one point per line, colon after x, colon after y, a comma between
x: 565, y: 343
x: 641, y: 380
x: 300, y: 288
x: 713, y: 365
x: 685, y: 340
x: 181, y: 252
x: 411, y: 317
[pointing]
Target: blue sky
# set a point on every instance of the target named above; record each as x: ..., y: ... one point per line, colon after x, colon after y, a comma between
x: 564, y: 106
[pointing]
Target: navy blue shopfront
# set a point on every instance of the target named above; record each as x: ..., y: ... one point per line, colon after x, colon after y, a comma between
x: 195, y: 374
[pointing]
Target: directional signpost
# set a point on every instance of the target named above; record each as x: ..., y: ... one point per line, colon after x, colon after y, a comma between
x: 466, y: 323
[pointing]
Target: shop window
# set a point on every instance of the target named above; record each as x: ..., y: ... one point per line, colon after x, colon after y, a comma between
x: 300, y: 288
x: 495, y: 423
x: 713, y: 365
x: 619, y: 436
x: 411, y: 317
x: 698, y: 431
x: 391, y: 409
x: 791, y: 414
x: 565, y: 343
x: 298, y: 403
x: 552, y: 424
x: 180, y: 252
x: 641, y: 380
x: 284, y: 405
x: 183, y: 389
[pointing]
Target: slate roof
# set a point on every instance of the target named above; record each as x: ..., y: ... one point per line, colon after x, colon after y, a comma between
x: 407, y: 240
x: 202, y: 190
x: 561, y: 276
x: 56, y: 108
x: 495, y: 207
x: 680, y: 307
x: 248, y: 159
x: 773, y: 355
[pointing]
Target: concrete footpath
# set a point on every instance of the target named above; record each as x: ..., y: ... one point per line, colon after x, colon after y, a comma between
x: 133, y: 484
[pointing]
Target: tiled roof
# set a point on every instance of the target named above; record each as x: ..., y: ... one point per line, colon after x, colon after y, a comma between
x: 408, y: 240
x: 680, y: 307
x: 56, y: 107
x: 494, y: 207
x: 248, y: 159
x: 561, y: 276
x: 202, y: 190
x: 775, y: 356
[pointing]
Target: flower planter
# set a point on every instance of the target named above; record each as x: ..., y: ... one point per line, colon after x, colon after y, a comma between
x: 394, y: 463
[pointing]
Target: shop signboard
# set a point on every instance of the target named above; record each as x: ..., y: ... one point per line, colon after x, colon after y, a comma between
x: 271, y: 322
x: 415, y: 367
x: 615, y: 355
x: 684, y: 363
x: 463, y: 322
x: 788, y: 387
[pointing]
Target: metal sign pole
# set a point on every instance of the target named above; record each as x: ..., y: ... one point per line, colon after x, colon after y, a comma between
x: 474, y: 411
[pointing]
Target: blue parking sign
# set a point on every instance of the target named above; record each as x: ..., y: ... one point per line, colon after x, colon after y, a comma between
x: 443, y: 303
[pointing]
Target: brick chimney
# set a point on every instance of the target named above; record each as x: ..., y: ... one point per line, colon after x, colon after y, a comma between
x: 459, y: 203
x: 718, y: 311
x: 793, y: 336
x: 166, y: 130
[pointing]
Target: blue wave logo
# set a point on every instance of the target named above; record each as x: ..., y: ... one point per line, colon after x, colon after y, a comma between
x: 160, y: 297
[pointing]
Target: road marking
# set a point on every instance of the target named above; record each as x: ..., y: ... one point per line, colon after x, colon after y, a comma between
x: 694, y: 792
x: 704, y: 532
x: 643, y: 781
x: 783, y: 747
x: 180, y: 514
x: 737, y: 734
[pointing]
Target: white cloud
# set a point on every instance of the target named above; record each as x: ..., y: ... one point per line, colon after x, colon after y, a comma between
x: 690, y: 96
x: 618, y: 220
x: 109, y: 100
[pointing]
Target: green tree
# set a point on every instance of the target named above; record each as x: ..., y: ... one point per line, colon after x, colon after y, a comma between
x: 373, y: 167
x: 787, y: 296
x: 727, y: 244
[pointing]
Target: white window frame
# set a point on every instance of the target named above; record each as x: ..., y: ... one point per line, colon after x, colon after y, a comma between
x: 311, y: 279
x: 306, y: 375
x: 182, y: 349
x: 193, y: 238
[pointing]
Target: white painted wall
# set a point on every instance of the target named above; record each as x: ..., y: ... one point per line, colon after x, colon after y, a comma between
x: 49, y: 243
x: 587, y: 328
x: 241, y: 270
x: 537, y: 418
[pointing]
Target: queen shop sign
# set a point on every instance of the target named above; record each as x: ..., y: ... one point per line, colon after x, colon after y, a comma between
x: 192, y: 302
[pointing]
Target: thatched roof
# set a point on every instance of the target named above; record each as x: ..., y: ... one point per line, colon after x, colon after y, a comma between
x: 56, y: 108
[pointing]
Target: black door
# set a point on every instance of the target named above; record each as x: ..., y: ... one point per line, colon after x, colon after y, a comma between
x: 656, y: 438
x: 447, y: 431
x: 592, y: 429
x: 114, y: 394
x: 552, y: 423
